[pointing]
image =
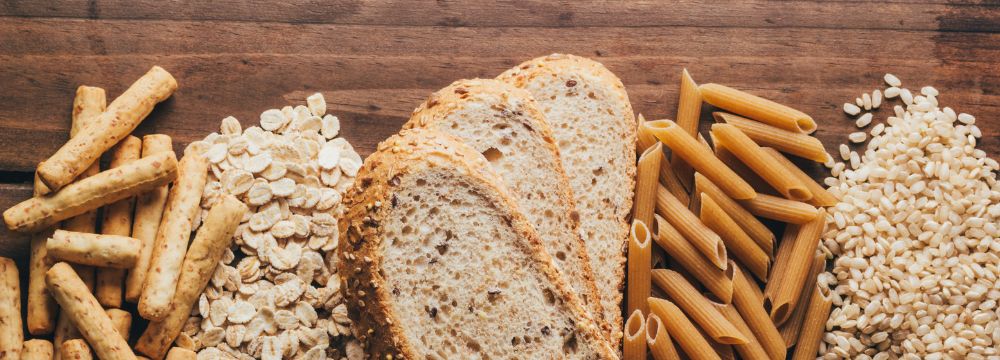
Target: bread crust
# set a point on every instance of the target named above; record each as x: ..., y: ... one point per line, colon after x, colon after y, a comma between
x: 462, y: 93
x: 556, y: 66
x: 369, y: 201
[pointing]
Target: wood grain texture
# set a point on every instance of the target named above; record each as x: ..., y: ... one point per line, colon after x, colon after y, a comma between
x: 377, y: 60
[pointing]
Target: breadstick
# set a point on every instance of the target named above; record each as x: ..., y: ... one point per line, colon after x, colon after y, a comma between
x: 88, y: 105
x: 179, y: 353
x: 75, y: 349
x: 111, y: 251
x: 88, y: 194
x: 172, y: 237
x: 37, y: 349
x: 121, y: 117
x: 117, y: 221
x: 85, y: 313
x: 122, y: 320
x: 148, y: 212
x: 11, y: 334
x: 65, y: 330
x: 42, y: 308
x: 207, y: 248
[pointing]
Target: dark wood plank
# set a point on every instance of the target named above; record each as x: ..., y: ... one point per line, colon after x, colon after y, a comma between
x: 14, y: 245
x: 901, y: 15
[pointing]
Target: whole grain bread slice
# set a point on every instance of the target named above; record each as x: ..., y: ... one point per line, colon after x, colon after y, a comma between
x: 594, y: 126
x: 439, y: 263
x: 504, y: 124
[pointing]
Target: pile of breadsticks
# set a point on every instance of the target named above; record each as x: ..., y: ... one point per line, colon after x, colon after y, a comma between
x: 77, y: 275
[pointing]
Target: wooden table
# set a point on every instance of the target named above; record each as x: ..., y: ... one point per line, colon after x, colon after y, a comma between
x: 377, y: 60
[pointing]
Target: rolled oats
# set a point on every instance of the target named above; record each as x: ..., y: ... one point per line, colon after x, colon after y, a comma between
x: 276, y: 294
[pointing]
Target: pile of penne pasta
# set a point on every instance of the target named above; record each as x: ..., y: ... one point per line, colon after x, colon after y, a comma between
x: 723, y: 288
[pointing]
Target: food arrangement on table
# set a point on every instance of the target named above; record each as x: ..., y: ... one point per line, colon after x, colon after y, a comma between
x: 533, y: 215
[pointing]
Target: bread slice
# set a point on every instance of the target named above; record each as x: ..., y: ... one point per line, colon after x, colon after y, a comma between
x: 595, y: 130
x: 504, y: 124
x: 439, y: 264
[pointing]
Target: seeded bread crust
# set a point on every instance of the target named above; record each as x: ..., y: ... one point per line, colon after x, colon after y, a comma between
x: 369, y: 201
x: 509, y: 105
x: 556, y: 77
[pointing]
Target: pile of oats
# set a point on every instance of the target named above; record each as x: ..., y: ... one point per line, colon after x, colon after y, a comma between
x: 276, y: 293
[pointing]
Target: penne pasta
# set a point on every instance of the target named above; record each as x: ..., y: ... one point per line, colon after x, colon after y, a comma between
x: 700, y: 157
x: 821, y: 197
x: 634, y: 347
x: 791, y: 328
x: 728, y: 158
x: 792, y: 268
x: 669, y: 180
x: 688, y: 115
x: 743, y: 248
x: 794, y: 143
x: 697, y: 307
x: 757, y: 108
x: 639, y: 266
x: 752, y: 311
x: 703, y: 239
x: 749, y: 223
x: 764, y: 165
x: 645, y: 138
x: 814, y: 323
x: 783, y: 210
x: 752, y: 350
x: 646, y: 183
x: 685, y: 333
x: 719, y: 282
x: 658, y: 339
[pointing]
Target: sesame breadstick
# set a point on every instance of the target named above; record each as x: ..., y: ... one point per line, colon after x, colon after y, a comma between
x: 148, y: 213
x: 117, y: 221
x: 37, y: 349
x: 41, y: 307
x: 106, y: 251
x: 207, y: 248
x: 75, y: 349
x: 183, y: 203
x: 122, y: 320
x: 11, y: 334
x: 115, y: 123
x: 86, y: 314
x: 88, y: 105
x: 88, y: 194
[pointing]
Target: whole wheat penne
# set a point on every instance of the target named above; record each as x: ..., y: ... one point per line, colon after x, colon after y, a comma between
x: 814, y: 323
x: 88, y: 194
x: 794, y: 143
x: 41, y: 307
x: 741, y: 169
x: 697, y: 307
x: 172, y: 237
x: 724, y: 351
x: 688, y: 116
x: 148, y: 213
x: 669, y: 180
x: 700, y: 157
x: 75, y: 349
x: 752, y: 311
x: 86, y: 313
x: 639, y: 265
x: 821, y: 197
x: 781, y: 258
x: 93, y: 249
x: 718, y: 281
x: 785, y: 283
x: 658, y: 339
x: 212, y: 239
x: 703, y: 238
x: 179, y: 353
x: 634, y: 347
x: 754, y: 157
x: 11, y: 334
x: 683, y: 331
x: 757, y: 108
x: 738, y: 243
x: 115, y: 123
x: 117, y: 221
x: 752, y: 350
x: 645, y: 139
x: 790, y: 329
x: 646, y: 182
x: 749, y: 223
x: 37, y: 349
x: 783, y: 210
x: 122, y: 321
